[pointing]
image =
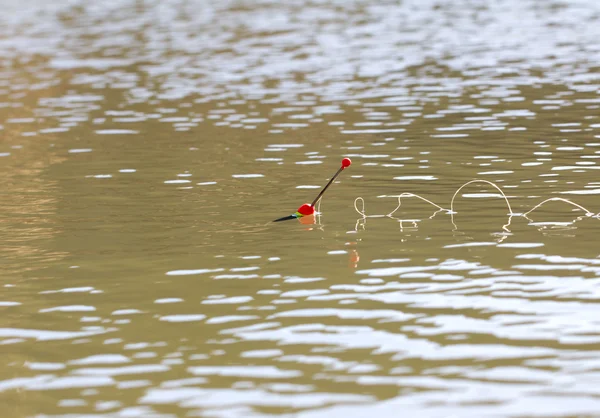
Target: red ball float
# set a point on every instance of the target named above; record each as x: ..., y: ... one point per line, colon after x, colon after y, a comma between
x: 306, y: 209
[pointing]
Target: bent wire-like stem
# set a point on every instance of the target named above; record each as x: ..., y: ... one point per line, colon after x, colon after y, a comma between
x: 359, y: 201
x: 556, y: 199
x: 360, y: 212
x: 510, y: 211
x: 418, y: 197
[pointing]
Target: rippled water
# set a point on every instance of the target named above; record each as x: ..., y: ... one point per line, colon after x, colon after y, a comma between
x: 147, y: 145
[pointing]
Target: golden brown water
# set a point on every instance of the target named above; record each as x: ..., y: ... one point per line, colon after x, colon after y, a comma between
x: 147, y: 145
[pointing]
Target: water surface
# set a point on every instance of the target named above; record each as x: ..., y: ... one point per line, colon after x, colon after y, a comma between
x: 147, y: 145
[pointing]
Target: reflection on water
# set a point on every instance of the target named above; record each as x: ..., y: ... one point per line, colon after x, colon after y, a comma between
x: 147, y: 145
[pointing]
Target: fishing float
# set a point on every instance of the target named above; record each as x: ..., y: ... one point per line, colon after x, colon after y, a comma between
x: 308, y: 209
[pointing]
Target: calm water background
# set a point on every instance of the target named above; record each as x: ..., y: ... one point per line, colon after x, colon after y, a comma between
x: 146, y: 146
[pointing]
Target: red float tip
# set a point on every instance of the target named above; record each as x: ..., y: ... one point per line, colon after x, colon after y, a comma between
x: 346, y: 162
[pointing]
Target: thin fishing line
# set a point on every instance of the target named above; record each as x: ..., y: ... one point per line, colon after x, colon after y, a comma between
x: 556, y: 199
x: 406, y: 194
x: 359, y: 206
x: 452, y: 212
x: 360, y: 212
x: 511, y: 213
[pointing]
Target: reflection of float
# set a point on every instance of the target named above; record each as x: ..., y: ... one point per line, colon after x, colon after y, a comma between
x: 353, y: 258
x: 307, y: 220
